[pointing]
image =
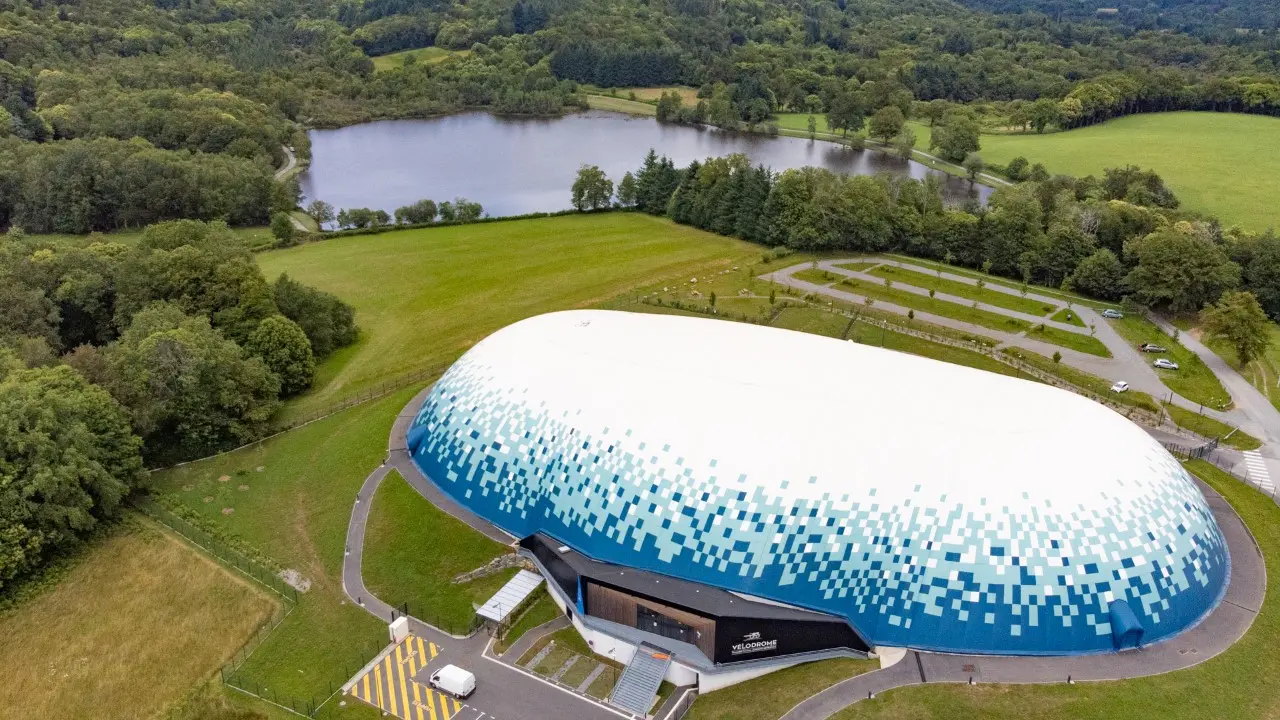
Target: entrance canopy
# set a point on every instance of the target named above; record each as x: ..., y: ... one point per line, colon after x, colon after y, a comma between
x: 515, y: 592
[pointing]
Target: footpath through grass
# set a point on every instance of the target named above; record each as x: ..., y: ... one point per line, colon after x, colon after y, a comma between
x: 131, y: 629
x: 1239, y: 684
x: 412, y: 551
x: 1192, y: 380
x: 422, y: 297
x: 1064, y: 296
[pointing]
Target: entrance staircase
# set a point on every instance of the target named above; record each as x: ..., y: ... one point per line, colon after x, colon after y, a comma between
x: 640, y: 680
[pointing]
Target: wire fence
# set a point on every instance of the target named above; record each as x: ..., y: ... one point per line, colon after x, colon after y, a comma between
x: 219, y: 549
x: 428, y: 616
x: 315, y: 705
x: 375, y: 393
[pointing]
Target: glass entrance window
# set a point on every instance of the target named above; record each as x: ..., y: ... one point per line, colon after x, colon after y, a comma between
x: 655, y: 622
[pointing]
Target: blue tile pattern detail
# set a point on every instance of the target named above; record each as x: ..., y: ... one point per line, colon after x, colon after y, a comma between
x: 924, y: 572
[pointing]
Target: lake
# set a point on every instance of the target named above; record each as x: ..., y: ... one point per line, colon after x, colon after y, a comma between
x: 521, y: 165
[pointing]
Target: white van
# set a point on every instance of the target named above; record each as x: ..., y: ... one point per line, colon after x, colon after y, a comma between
x: 454, y: 680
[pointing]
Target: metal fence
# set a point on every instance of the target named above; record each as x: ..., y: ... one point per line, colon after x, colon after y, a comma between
x: 448, y: 626
x: 311, y: 706
x: 219, y: 549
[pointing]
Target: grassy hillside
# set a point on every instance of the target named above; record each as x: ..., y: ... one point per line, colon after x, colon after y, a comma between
x: 1222, y: 164
x: 127, y: 633
x: 422, y: 297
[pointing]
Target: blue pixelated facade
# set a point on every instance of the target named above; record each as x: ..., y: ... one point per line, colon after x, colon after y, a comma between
x: 530, y: 431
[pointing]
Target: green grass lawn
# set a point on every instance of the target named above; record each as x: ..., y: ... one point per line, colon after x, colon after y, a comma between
x: 622, y: 105
x: 1218, y: 163
x: 1069, y: 316
x: 983, y: 295
x: 871, y: 335
x: 422, y: 297
x: 1193, y: 380
x: 924, y: 303
x: 541, y: 609
x: 294, y: 511
x: 1082, y: 379
x: 1006, y: 282
x: 1239, y: 684
x: 772, y: 695
x: 812, y: 320
x: 1211, y: 428
x: 426, y: 56
x: 1263, y: 372
x: 861, y: 266
x: 138, y: 621
x: 1067, y: 339
x: 396, y: 569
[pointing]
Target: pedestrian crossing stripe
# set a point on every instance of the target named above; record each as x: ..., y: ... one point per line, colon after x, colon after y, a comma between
x: 1256, y: 469
x: 390, y: 687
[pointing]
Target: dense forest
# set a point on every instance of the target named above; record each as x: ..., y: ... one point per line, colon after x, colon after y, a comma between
x: 113, y: 355
x: 125, y: 112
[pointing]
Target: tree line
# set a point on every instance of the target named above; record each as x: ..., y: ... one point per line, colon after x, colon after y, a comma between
x: 113, y: 355
x: 1119, y: 236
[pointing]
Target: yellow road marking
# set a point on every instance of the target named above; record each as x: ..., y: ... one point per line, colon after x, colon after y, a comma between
x: 386, y: 685
x: 377, y: 676
x: 405, y: 712
x: 391, y: 687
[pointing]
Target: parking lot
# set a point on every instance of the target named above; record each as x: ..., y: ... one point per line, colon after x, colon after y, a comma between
x: 396, y: 683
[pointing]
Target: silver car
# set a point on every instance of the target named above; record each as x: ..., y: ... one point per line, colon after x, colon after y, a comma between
x: 1165, y: 364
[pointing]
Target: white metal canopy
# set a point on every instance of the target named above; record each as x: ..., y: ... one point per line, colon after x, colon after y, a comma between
x: 510, y: 596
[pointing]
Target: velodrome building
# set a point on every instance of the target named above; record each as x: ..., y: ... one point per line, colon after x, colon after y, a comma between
x: 747, y: 497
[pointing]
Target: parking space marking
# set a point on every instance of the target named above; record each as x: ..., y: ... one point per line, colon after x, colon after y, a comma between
x: 390, y: 686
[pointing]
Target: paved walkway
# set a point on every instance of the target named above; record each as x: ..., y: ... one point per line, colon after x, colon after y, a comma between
x: 1215, y: 633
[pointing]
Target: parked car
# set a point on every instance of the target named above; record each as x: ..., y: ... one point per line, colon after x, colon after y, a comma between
x: 454, y: 680
x: 1152, y: 348
x: 1165, y: 364
x: 1120, y: 386
x: 1113, y: 314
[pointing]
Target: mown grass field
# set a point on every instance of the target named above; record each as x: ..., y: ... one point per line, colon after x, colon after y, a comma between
x: 1217, y: 163
x: 688, y: 95
x: 774, y: 694
x: 621, y: 104
x: 294, y: 512
x: 426, y: 56
x: 1239, y: 684
x: 132, y: 628
x: 422, y: 297
x: 402, y: 524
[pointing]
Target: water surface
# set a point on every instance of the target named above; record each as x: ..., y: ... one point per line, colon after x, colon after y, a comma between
x: 522, y: 165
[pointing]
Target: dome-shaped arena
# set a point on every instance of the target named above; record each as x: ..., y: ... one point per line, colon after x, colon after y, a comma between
x: 928, y: 505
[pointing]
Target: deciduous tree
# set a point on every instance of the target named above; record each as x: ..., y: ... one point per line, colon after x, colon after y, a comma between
x: 1238, y: 319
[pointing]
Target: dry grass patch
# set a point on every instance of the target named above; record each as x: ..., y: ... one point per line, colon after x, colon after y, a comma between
x: 127, y: 633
